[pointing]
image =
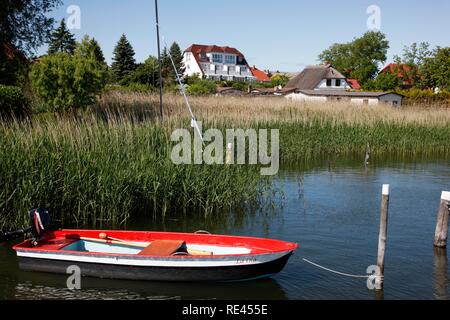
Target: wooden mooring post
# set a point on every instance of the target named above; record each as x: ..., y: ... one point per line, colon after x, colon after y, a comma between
x: 379, y: 282
x: 441, y: 235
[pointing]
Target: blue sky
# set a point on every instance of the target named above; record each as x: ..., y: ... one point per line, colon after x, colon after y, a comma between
x: 280, y: 35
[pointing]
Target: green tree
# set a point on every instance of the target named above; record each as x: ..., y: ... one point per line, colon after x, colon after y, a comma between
x: 63, y: 81
x: 24, y: 23
x: 123, y: 59
x: 436, y: 69
x: 414, y: 56
x: 166, y: 67
x: 360, y: 58
x: 384, y: 82
x: 90, y: 48
x: 62, y: 40
x: 146, y: 73
x: 177, y: 56
x: 202, y: 87
x: 279, y: 80
x: 19, y: 36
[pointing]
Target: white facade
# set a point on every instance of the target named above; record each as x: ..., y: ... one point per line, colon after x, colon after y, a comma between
x: 333, y: 84
x: 217, y: 66
x: 303, y: 97
x: 390, y: 99
x: 191, y: 65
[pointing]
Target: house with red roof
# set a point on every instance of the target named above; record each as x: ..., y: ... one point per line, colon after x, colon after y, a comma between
x: 260, y: 75
x: 403, y: 72
x: 354, y: 84
x: 217, y: 63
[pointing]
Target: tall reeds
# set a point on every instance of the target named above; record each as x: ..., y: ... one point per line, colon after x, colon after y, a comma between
x: 112, y: 162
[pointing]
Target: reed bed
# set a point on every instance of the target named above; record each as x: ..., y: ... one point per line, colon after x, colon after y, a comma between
x: 112, y: 162
x: 309, y: 129
x: 89, y: 171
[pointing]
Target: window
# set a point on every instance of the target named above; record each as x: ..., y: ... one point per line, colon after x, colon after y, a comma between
x: 338, y: 82
x: 329, y: 83
x: 217, y: 58
x: 188, y: 57
x: 366, y: 101
x: 230, y: 59
x: 232, y: 69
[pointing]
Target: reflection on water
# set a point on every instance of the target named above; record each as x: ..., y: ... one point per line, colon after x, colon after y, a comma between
x: 440, y: 274
x: 48, y: 286
x: 331, y: 208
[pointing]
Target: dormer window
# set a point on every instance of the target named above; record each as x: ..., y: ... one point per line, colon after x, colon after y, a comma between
x: 217, y: 58
x: 229, y: 59
x: 338, y: 82
x: 329, y: 83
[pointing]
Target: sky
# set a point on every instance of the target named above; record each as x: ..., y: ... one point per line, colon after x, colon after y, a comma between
x: 284, y: 35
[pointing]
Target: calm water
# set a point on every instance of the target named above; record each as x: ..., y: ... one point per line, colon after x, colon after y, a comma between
x: 331, y: 208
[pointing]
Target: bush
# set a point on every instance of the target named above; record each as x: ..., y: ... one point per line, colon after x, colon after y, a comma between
x: 12, y: 102
x: 202, y: 87
x: 62, y: 81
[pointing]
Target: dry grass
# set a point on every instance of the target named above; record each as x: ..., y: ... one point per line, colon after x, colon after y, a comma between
x: 240, y: 110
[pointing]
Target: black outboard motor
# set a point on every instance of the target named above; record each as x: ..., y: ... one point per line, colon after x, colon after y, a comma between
x: 40, y: 222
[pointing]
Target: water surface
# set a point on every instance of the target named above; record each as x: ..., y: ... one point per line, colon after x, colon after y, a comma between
x: 331, y: 208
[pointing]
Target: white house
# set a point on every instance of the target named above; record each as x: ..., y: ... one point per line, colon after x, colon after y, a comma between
x: 217, y: 63
x: 324, y: 83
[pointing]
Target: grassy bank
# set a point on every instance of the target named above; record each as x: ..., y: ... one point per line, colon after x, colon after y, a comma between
x: 113, y: 161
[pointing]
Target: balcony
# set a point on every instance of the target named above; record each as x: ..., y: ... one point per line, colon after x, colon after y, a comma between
x: 226, y: 70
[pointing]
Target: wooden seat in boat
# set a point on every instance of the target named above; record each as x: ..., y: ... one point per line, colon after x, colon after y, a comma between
x: 163, y: 248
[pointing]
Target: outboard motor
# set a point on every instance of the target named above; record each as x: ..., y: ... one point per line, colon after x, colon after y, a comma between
x: 40, y: 222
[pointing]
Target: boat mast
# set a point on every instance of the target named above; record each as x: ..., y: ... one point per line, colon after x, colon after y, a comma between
x: 159, y: 64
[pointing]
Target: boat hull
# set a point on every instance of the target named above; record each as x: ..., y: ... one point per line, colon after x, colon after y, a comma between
x: 159, y: 273
x: 227, y: 258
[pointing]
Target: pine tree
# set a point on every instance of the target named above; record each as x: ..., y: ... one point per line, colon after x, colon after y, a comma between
x: 166, y: 66
x: 90, y: 48
x: 123, y: 59
x: 62, y: 40
x: 177, y: 56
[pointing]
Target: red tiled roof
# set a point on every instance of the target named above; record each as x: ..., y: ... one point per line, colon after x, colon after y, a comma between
x: 402, y: 71
x: 198, y: 48
x: 260, y: 75
x: 399, y: 68
x: 354, y: 84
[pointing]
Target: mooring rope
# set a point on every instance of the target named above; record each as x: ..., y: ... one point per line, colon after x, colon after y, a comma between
x: 336, y: 272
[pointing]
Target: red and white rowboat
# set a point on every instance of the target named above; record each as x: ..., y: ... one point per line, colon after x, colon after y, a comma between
x: 155, y: 255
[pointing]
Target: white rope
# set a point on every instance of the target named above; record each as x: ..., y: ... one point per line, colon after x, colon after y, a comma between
x: 183, y: 91
x: 336, y: 272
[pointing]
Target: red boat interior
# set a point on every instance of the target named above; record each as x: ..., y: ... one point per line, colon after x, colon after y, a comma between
x: 154, y: 243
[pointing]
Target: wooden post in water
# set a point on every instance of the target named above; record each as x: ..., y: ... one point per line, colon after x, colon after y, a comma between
x: 379, y: 282
x: 441, y: 235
